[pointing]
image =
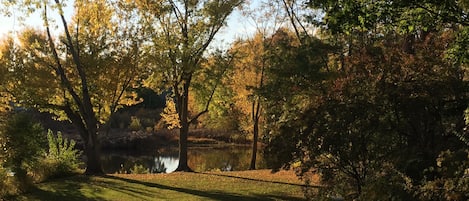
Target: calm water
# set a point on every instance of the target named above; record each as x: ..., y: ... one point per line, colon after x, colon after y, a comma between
x: 166, y: 159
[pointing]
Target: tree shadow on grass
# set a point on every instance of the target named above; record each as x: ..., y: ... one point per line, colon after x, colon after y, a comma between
x: 137, y: 192
x: 279, y: 196
x: 62, y: 189
x: 260, y: 180
x: 214, y: 195
x: 39, y: 194
x: 275, y: 196
x: 72, y: 189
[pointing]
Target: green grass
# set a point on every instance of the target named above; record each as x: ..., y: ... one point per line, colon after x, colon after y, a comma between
x: 245, y: 185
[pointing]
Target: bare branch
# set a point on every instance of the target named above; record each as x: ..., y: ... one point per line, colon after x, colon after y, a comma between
x: 294, y: 19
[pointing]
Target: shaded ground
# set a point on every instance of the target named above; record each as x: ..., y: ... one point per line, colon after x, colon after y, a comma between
x: 244, y: 185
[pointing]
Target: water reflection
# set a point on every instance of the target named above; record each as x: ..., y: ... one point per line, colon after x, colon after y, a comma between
x: 166, y: 160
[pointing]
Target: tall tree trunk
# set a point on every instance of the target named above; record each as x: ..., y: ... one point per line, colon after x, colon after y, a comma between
x: 183, y: 110
x: 93, y: 154
x: 91, y: 145
x: 93, y: 162
x: 88, y: 129
x: 183, y: 162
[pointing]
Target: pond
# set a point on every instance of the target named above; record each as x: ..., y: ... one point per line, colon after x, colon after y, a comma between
x: 227, y: 158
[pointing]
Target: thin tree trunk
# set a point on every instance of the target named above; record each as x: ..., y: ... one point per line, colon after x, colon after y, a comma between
x: 254, y: 145
x: 255, y: 118
x: 256, y: 113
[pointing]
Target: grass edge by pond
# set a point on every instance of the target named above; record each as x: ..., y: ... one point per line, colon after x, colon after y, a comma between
x: 241, y: 185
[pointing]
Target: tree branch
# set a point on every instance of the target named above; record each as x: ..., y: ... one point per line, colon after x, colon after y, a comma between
x: 294, y: 19
x: 445, y: 18
x: 86, y: 101
x: 77, y: 120
x: 213, y: 31
x: 59, y: 68
x: 194, y: 119
x: 178, y: 14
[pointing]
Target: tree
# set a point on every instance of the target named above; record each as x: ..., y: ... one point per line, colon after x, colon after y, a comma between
x: 374, y: 115
x: 81, y: 76
x: 181, y: 32
x: 381, y: 118
x: 251, y: 63
x: 296, y: 76
x: 209, y: 92
x: 412, y: 18
x: 415, y: 20
x: 6, y: 57
x: 248, y: 77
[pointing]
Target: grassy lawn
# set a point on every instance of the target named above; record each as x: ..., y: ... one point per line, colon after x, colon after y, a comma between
x: 244, y: 185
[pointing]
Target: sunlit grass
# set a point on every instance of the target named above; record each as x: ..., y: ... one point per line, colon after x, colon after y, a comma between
x: 244, y: 185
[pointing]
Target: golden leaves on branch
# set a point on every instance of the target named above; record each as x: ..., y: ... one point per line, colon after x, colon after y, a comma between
x: 170, y: 115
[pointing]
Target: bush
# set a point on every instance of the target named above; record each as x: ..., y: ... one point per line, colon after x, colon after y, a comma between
x: 452, y: 182
x: 22, y: 154
x: 62, y: 158
x: 6, y: 186
x: 3, y: 177
x: 22, y: 143
x: 135, y: 124
x: 139, y: 169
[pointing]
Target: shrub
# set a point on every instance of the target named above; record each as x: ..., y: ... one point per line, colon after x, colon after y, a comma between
x: 452, y: 181
x: 62, y: 157
x: 120, y: 120
x: 149, y: 129
x: 6, y: 186
x: 135, y: 124
x: 22, y: 144
x: 3, y: 177
x: 139, y: 169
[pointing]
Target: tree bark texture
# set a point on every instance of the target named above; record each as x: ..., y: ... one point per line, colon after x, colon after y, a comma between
x: 182, y: 99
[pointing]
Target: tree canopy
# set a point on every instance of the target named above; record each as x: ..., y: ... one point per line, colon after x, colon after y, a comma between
x: 82, y: 75
x: 385, y: 103
x: 181, y: 32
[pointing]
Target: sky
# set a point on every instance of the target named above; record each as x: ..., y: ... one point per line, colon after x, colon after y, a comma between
x: 238, y: 26
x: 7, y: 25
x: 11, y: 24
